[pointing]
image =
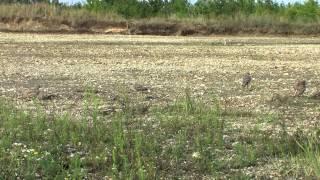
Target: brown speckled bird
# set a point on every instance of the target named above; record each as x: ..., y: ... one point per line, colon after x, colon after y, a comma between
x: 31, y: 92
x: 36, y: 92
x: 300, y: 87
x: 246, y: 80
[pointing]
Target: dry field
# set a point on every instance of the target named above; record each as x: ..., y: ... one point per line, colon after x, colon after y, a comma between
x: 211, y: 67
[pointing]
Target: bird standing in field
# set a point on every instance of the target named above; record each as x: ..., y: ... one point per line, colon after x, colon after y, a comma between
x: 36, y: 92
x: 246, y: 80
x: 300, y: 87
x: 31, y: 92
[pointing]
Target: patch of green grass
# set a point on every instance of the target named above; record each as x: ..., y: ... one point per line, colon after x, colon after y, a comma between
x: 185, y: 139
x: 308, y: 161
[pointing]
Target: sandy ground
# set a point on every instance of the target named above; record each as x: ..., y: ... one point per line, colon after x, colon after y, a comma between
x: 64, y: 66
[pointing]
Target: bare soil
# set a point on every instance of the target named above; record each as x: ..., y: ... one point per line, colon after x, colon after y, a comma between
x: 66, y: 65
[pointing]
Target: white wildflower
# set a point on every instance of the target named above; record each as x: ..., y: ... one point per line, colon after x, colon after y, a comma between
x: 196, y: 155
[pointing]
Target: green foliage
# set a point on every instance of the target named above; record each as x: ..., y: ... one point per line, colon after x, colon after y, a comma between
x: 308, y: 11
x: 183, y: 139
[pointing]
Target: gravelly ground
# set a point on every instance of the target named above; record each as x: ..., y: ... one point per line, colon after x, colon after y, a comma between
x: 64, y: 66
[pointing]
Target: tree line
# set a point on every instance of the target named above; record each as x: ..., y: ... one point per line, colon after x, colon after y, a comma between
x: 307, y: 11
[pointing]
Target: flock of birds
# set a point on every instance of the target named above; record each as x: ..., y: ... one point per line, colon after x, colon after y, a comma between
x: 299, y: 87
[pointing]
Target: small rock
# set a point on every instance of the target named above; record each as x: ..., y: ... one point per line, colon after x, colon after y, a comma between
x: 277, y: 98
x: 113, y: 97
x: 141, y: 109
x: 45, y: 96
x: 150, y: 97
x: 108, y: 111
x: 316, y: 95
x: 141, y: 88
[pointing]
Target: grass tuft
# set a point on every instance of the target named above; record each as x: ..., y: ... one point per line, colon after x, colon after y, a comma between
x: 185, y: 139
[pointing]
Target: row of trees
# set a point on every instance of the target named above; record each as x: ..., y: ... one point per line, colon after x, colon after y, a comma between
x: 141, y: 8
x: 307, y: 11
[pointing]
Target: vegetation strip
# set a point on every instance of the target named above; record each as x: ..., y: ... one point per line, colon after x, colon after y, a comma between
x: 186, y: 139
x: 160, y: 17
